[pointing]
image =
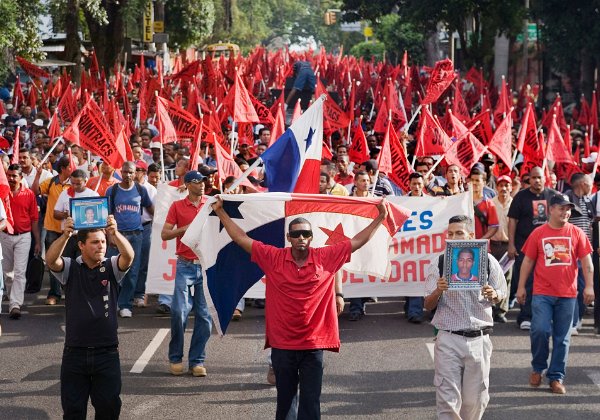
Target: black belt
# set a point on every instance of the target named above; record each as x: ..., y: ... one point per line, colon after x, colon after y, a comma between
x: 17, y: 233
x: 187, y: 260
x: 473, y: 333
x: 499, y: 242
x: 130, y: 232
x: 147, y: 223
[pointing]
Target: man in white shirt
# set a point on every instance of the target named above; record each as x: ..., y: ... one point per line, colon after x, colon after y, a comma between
x: 30, y: 171
x: 62, y: 208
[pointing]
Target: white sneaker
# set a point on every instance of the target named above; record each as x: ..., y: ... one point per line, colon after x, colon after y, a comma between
x: 139, y: 303
x: 525, y: 325
x: 125, y: 313
x: 579, y: 324
x: 574, y: 331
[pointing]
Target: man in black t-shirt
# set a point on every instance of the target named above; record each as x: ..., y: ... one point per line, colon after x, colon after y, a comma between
x: 90, y: 364
x: 527, y: 211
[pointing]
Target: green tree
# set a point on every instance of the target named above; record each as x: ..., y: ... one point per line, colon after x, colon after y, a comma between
x: 398, y: 36
x: 189, y: 22
x: 368, y: 49
x: 18, y: 33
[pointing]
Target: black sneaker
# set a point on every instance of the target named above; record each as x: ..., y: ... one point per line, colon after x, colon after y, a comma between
x: 15, y: 313
x: 500, y: 318
x: 163, y: 309
x: 355, y: 316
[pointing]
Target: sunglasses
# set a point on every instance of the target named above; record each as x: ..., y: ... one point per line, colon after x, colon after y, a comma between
x: 297, y: 233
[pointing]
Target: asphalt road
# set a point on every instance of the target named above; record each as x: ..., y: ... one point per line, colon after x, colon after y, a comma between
x: 384, y: 370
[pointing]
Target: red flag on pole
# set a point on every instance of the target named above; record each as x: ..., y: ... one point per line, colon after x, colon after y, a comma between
x: 184, y: 123
x: 15, y: 155
x: 227, y: 167
x: 18, y: 96
x: 501, y: 143
x: 278, y: 127
x: 31, y: 69
x: 465, y: 153
x: 441, y: 77
x: 359, y: 150
x: 239, y: 104
x: 5, y: 197
x: 556, y: 150
x: 297, y: 111
x: 483, y: 129
x: 431, y: 137
x: 384, y: 160
x: 401, y: 169
x: 528, y: 142
x: 166, y: 129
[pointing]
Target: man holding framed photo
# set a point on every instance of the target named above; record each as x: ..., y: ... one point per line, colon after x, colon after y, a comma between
x: 464, y: 322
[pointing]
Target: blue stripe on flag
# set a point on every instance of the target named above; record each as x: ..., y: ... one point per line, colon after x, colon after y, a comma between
x: 233, y: 273
x: 282, y: 163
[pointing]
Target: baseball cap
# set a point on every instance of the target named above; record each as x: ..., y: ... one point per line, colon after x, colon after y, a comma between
x: 561, y: 200
x: 21, y: 122
x: 591, y: 158
x: 155, y: 145
x: 140, y: 164
x: 9, y: 106
x: 38, y: 122
x: 504, y: 178
x: 194, y: 177
x: 206, y: 170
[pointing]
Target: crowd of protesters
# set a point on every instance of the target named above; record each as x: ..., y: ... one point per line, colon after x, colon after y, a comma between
x: 509, y: 206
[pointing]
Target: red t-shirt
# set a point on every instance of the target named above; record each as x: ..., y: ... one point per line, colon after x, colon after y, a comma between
x: 182, y: 213
x: 488, y: 209
x: 300, y: 312
x: 177, y: 182
x: 24, y: 210
x: 556, y: 252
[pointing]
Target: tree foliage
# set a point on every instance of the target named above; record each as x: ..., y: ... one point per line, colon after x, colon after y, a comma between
x: 368, y: 50
x: 189, y: 22
x: 398, y: 36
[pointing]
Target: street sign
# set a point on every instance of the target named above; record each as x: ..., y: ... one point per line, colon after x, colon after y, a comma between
x: 368, y: 31
x: 161, y: 38
x: 532, y: 33
x: 350, y: 27
x: 159, y: 26
x: 148, y: 17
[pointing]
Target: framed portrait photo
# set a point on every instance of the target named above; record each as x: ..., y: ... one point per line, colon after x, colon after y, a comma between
x: 89, y: 212
x: 465, y: 264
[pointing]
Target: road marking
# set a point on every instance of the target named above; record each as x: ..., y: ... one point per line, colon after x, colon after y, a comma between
x: 141, y: 363
x: 595, y: 377
x: 430, y: 347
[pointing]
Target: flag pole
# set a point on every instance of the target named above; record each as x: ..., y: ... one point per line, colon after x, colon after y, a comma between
x: 238, y: 181
x: 436, y: 164
x: 372, y: 194
x: 412, y: 119
x: 50, y: 151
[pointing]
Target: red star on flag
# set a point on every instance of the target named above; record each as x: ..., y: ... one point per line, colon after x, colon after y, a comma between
x: 335, y: 236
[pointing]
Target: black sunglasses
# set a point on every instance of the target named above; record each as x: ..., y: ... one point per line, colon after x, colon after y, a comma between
x: 304, y: 233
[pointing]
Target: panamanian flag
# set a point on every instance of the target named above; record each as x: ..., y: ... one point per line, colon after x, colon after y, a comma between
x: 293, y: 162
x: 228, y: 271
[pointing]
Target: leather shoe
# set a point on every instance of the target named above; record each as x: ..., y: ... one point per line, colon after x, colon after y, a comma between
x: 15, y: 313
x: 500, y: 318
x: 237, y: 315
x: 271, y: 376
x: 199, y: 370
x: 415, y: 319
x: 535, y: 379
x: 176, y: 369
x: 51, y: 300
x: 557, y: 387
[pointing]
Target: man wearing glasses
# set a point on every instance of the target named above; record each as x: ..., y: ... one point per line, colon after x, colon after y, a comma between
x: 301, y: 318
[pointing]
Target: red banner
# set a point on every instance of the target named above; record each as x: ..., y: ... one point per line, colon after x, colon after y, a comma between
x: 441, y: 77
x: 31, y: 69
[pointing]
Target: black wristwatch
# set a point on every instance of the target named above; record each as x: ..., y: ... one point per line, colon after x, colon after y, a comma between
x: 339, y: 295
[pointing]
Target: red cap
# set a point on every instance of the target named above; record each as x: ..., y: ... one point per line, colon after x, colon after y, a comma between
x: 503, y: 178
x: 140, y: 164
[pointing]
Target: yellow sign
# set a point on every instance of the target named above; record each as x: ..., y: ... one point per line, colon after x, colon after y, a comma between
x: 159, y: 26
x: 368, y: 31
x: 148, y: 17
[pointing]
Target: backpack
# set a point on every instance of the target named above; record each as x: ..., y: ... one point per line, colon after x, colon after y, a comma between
x: 113, y: 195
x: 43, y: 199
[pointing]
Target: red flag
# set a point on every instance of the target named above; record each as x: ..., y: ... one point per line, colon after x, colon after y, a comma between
x: 31, y: 69
x: 94, y: 67
x: 32, y: 97
x: 501, y: 143
x: 227, y: 167
x: 72, y: 165
x: 5, y: 197
x: 528, y: 142
x: 54, y: 128
x: 187, y: 73
x: 195, y: 149
x: 483, y: 130
x: 166, y: 129
x: 67, y: 107
x: 465, y: 152
x: 594, y: 112
x: 326, y: 152
x: 384, y: 160
x: 334, y: 117
x: 90, y: 130
x: 459, y: 107
x: 503, y: 105
x: 584, y: 113
x: 297, y: 111
x: 123, y: 148
x: 18, y: 96
x: 359, y: 150
x: 441, y: 77
x: 586, y: 146
x: 4, y: 144
x: 239, y: 103
x: 431, y: 137
x: 278, y: 126
x: 556, y: 150
x: 401, y: 168
x: 264, y: 113
x: 184, y: 123
x: 15, y: 155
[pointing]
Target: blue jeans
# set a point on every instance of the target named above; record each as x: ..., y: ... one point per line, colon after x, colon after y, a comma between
x: 551, y: 317
x: 525, y: 313
x: 413, y: 307
x: 579, y: 311
x: 357, y: 305
x: 90, y: 373
x: 130, y: 280
x: 295, y: 368
x: 188, y: 295
x: 140, y: 288
x: 165, y: 300
x: 55, y: 288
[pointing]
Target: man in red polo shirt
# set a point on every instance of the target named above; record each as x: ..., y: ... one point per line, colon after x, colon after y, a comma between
x: 301, y: 317
x: 188, y: 274
x: 16, y: 245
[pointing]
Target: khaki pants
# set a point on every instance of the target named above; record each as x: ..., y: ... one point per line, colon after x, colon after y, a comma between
x: 462, y: 376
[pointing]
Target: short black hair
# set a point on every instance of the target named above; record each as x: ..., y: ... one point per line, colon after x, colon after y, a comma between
x: 153, y: 167
x: 461, y: 219
x: 466, y: 251
x: 326, y: 175
x: 414, y: 175
x: 576, y: 177
x: 79, y: 173
x: 90, y: 208
x: 82, y: 234
x: 298, y: 221
x: 16, y: 167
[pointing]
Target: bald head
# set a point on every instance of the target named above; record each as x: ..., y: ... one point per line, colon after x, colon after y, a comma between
x: 537, y: 180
